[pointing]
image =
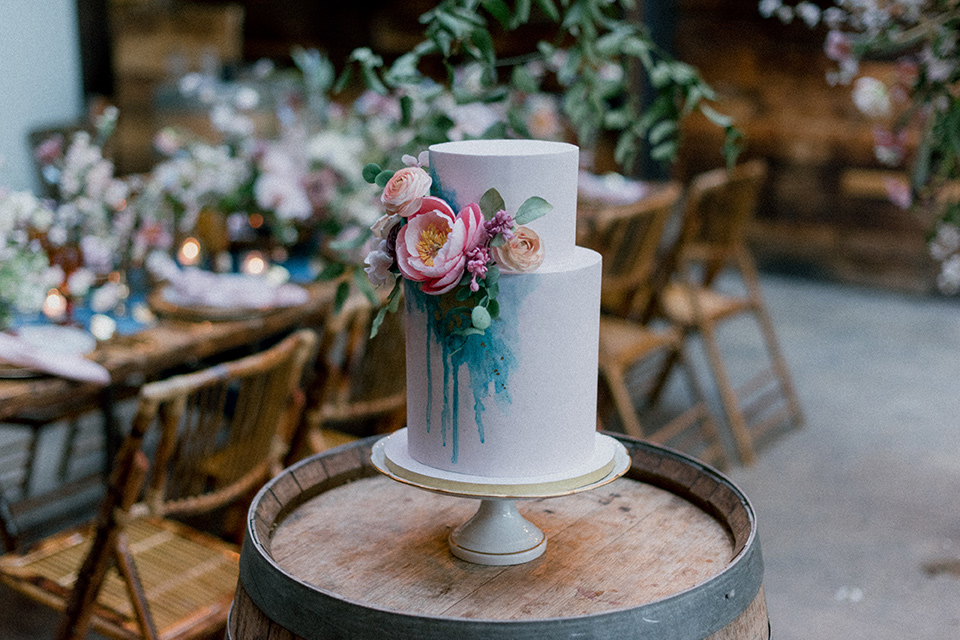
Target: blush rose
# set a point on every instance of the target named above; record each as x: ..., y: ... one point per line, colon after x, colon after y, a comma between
x: 404, y: 192
x: 521, y: 254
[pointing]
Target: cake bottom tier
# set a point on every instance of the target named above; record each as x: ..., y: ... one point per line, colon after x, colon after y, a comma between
x: 520, y: 399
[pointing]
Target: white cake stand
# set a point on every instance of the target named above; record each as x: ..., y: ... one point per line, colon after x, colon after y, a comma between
x: 497, y: 534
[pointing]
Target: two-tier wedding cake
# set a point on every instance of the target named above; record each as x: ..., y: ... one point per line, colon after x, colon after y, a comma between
x: 518, y: 399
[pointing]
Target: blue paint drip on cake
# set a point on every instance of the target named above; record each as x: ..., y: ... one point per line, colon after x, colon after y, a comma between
x: 487, y: 357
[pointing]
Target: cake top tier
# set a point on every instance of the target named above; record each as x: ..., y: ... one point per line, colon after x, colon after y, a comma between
x: 519, y: 169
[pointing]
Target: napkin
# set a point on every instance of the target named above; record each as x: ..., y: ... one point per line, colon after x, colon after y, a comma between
x: 610, y: 188
x: 197, y: 288
x: 65, y: 365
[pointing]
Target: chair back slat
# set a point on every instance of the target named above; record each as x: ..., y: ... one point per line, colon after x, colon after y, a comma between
x: 219, y: 427
x: 629, y: 237
x: 720, y: 206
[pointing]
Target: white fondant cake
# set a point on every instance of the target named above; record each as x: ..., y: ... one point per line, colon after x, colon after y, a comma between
x: 518, y: 400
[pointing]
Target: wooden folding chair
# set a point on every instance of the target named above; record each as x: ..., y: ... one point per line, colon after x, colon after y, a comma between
x: 635, y: 263
x: 720, y: 205
x: 359, y: 386
x: 199, y: 445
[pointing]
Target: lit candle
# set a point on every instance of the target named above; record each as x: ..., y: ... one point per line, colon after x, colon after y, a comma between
x: 253, y: 264
x: 189, y: 254
x: 55, y: 305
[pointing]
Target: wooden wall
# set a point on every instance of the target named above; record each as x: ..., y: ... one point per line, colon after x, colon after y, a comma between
x: 825, y: 209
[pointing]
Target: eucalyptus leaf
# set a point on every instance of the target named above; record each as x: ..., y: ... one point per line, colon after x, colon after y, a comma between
x: 480, y: 318
x: 532, y: 208
x: 493, y: 308
x: 493, y: 275
x: 499, y: 10
x: 660, y: 131
x: 491, y: 202
x: 343, y: 291
x: 370, y: 172
x: 332, y: 271
x: 715, y: 117
x: 383, y: 178
x: 377, y: 321
x: 362, y: 282
x: 498, y: 241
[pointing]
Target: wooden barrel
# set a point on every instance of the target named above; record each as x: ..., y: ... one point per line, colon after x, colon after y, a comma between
x: 333, y: 549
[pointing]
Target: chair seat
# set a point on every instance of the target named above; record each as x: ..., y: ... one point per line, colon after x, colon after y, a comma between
x: 678, y: 301
x: 624, y: 342
x: 194, y: 575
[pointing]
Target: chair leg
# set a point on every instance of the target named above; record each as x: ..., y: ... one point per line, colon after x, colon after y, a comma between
x: 709, y: 423
x: 779, y: 364
x: 738, y: 423
x: 614, y: 377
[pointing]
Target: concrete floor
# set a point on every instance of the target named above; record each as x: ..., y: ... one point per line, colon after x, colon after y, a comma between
x: 858, y: 511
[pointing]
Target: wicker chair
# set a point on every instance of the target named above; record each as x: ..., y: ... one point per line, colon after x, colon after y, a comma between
x: 635, y: 264
x: 200, y: 444
x: 720, y: 205
x: 359, y: 384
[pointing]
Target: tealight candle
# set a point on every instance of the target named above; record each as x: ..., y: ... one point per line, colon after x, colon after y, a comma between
x: 189, y: 253
x: 55, y: 305
x: 253, y: 264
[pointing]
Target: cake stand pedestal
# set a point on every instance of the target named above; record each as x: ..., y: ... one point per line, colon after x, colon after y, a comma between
x: 498, y: 534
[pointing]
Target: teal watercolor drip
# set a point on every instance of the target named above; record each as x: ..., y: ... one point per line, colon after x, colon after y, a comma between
x: 488, y: 359
x: 447, y: 195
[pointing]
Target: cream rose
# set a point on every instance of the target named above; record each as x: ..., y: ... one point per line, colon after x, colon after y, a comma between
x: 404, y: 192
x: 522, y: 254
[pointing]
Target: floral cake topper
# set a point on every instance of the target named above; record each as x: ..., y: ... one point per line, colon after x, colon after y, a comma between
x: 421, y: 239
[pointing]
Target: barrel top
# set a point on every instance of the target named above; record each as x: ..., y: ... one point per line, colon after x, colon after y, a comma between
x: 337, y: 533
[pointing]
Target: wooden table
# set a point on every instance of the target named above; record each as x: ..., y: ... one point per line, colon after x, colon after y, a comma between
x: 147, y: 354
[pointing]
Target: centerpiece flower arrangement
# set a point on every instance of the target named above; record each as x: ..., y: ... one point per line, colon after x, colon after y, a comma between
x: 90, y: 232
x: 421, y: 240
x: 914, y: 100
x: 25, y: 270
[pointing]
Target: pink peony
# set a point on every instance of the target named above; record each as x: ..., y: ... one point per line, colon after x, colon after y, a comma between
x: 523, y: 253
x: 404, y: 192
x: 432, y: 246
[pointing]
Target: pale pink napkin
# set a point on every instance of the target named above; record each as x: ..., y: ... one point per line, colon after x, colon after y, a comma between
x: 193, y: 287
x: 65, y: 365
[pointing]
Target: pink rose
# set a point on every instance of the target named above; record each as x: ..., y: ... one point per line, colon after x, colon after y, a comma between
x: 404, y: 192
x: 432, y: 246
x: 523, y: 253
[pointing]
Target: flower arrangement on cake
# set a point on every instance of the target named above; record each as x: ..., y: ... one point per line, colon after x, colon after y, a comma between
x: 913, y: 100
x: 420, y: 239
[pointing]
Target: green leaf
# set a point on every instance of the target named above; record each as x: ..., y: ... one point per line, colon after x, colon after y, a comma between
x: 383, y: 178
x: 355, y: 242
x: 523, y: 80
x: 377, y: 321
x: 715, y: 116
x: 484, y: 43
x: 371, y: 171
x: 493, y: 275
x: 550, y: 9
x: 499, y: 10
x: 521, y: 13
x: 343, y: 290
x: 660, y: 131
x: 331, y: 272
x: 531, y: 209
x: 665, y: 151
x: 362, y: 282
x: 490, y: 203
x: 480, y: 318
x: 343, y: 80
x: 463, y: 293
x: 498, y: 241
x: 493, y: 307
x: 406, y: 111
